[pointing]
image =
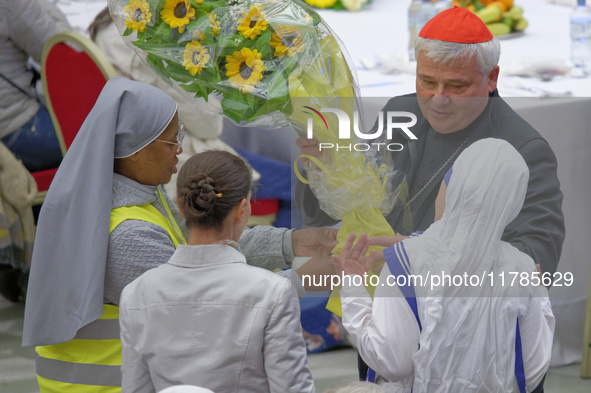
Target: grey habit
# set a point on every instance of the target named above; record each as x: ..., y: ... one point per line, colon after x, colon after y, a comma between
x: 68, y: 267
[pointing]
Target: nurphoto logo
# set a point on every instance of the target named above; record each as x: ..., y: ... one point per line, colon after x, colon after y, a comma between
x: 344, y: 124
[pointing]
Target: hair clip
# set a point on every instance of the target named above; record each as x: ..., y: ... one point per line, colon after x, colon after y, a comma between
x: 219, y: 195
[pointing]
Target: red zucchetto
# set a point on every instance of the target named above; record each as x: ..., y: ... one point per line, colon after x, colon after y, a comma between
x: 456, y: 24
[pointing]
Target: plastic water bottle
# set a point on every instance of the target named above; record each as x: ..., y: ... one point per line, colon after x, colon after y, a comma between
x: 425, y: 12
x: 419, y: 13
x: 580, y: 34
x: 412, y: 27
x: 442, y: 5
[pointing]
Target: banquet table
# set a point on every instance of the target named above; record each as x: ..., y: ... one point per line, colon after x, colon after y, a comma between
x: 380, y: 30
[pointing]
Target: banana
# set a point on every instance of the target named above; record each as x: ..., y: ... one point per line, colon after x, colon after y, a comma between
x: 521, y: 24
x: 490, y: 14
x: 498, y: 28
x: 508, y: 21
x: 514, y: 13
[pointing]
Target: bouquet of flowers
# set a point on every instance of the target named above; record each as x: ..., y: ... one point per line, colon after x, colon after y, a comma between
x: 271, y: 62
x: 244, y: 51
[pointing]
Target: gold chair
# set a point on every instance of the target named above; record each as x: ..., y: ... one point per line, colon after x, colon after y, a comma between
x: 73, y: 72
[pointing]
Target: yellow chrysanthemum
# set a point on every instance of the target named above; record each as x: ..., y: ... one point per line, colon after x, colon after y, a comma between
x: 245, y: 69
x: 137, y: 14
x: 178, y: 13
x: 196, y: 57
x: 215, y: 25
x: 321, y: 3
x: 287, y: 40
x: 253, y: 23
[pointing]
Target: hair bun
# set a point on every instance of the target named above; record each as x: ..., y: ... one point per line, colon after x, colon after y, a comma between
x: 210, y: 184
x: 201, y: 196
x: 206, y: 184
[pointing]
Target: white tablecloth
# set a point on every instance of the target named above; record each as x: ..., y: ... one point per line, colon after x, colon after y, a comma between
x: 382, y: 27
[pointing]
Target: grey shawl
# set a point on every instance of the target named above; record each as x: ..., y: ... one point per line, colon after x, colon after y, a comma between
x: 68, y: 267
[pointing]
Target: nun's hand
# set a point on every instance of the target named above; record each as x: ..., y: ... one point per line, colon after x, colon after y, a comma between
x: 353, y: 259
x: 313, y: 242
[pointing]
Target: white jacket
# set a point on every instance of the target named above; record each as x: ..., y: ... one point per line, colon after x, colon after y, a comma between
x: 25, y: 26
x: 206, y: 318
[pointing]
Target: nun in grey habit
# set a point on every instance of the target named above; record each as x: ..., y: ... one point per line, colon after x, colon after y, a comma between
x: 67, y: 278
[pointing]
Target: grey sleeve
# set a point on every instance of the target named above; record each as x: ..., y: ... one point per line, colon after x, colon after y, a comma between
x: 267, y: 247
x: 33, y: 23
x: 134, y: 248
x: 538, y: 230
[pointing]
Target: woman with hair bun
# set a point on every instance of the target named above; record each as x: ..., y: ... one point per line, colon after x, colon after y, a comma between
x: 207, y: 318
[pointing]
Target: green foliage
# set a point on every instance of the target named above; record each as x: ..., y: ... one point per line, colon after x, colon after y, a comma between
x: 339, y: 6
x: 165, y: 49
x: 235, y: 106
x: 477, y: 4
x: 158, y: 65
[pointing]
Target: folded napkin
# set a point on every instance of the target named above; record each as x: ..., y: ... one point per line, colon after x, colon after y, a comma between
x: 390, y: 63
x: 544, y: 68
x: 514, y: 86
x: 567, y: 3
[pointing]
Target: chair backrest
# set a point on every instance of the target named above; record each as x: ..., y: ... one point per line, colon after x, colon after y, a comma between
x: 73, y: 71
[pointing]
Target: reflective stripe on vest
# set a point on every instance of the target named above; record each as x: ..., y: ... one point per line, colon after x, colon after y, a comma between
x: 91, y: 361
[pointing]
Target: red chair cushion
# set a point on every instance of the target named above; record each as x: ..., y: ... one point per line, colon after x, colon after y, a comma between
x: 74, y: 82
x: 262, y: 207
x: 44, y: 178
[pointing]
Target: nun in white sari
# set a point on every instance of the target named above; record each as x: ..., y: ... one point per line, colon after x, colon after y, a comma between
x: 469, y: 327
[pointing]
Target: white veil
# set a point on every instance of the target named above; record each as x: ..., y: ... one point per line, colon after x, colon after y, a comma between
x: 468, y: 337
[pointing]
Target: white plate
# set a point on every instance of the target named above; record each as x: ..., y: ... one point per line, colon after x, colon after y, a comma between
x: 510, y: 35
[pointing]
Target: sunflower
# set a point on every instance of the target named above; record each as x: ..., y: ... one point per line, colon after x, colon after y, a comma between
x: 253, y: 23
x: 196, y: 57
x: 215, y: 25
x: 178, y: 13
x: 321, y: 3
x: 197, y: 34
x: 245, y: 69
x: 287, y: 40
x: 137, y: 14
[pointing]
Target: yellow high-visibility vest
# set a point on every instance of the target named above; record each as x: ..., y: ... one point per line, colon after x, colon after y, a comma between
x: 91, y: 361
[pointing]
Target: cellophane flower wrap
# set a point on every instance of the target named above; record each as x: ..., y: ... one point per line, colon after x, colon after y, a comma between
x: 245, y: 51
x: 272, y: 64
